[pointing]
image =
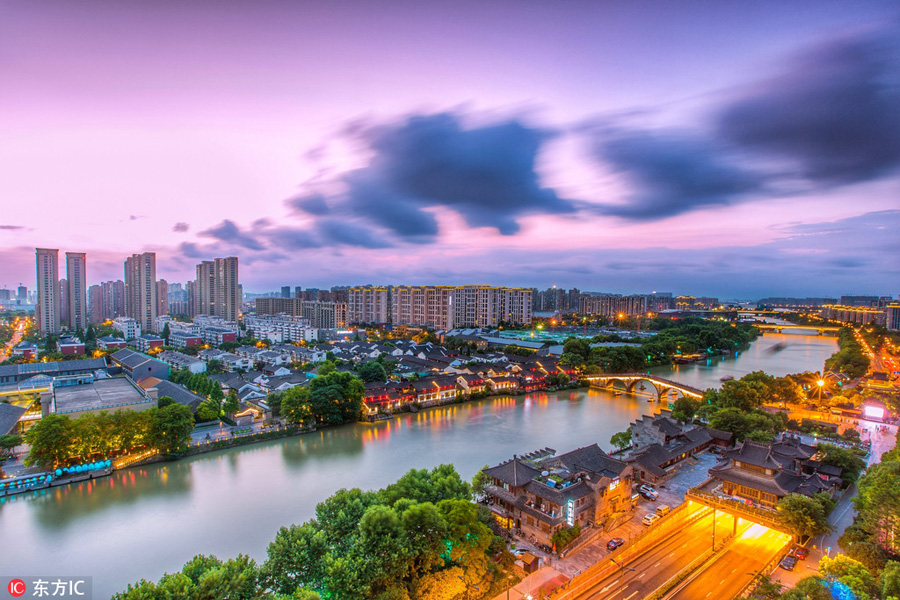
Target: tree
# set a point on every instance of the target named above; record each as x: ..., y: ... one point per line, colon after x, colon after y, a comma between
x: 878, y: 503
x: 51, y: 440
x: 296, y: 408
x: 165, y: 333
x: 336, y: 397
x: 232, y: 403
x: 684, y: 409
x: 296, y: 558
x: 479, y: 482
x: 845, y: 459
x: 208, y: 410
x: 621, y: 440
x: 810, y: 588
x: 802, y: 515
x: 851, y: 573
x: 421, y: 485
x: 10, y: 441
x: 326, y: 368
x: 165, y: 401
x: 214, y: 367
x: 170, y: 428
x: 372, y: 371
x: 890, y: 580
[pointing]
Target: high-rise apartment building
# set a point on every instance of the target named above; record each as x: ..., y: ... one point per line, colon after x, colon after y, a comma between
x: 162, y: 297
x: 140, y: 289
x: 22, y: 293
x: 227, y: 290
x: 285, y: 291
x: 202, y: 289
x: 47, y: 306
x: 368, y: 304
x: 76, y: 271
x: 216, y: 290
x: 63, y: 288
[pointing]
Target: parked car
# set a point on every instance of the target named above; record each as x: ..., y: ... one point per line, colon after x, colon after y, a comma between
x: 648, y: 492
x: 650, y: 518
x: 614, y: 543
x: 788, y: 563
x: 799, y: 552
x: 663, y: 509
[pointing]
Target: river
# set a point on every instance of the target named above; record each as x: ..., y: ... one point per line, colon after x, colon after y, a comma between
x: 142, y: 522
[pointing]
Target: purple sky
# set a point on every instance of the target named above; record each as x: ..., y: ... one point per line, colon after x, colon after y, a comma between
x: 726, y: 148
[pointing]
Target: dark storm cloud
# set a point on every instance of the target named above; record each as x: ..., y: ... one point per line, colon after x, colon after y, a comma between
x: 373, y: 201
x: 486, y: 174
x: 834, y: 112
x: 671, y: 173
x: 180, y: 227
x: 312, y: 204
x: 11, y: 227
x: 227, y: 231
x: 291, y: 238
x: 348, y: 234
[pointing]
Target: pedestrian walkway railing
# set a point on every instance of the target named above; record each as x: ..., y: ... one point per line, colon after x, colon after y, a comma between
x: 127, y: 461
x: 674, y: 521
x: 763, y: 516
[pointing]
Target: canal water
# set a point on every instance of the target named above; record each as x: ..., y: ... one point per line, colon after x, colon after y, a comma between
x: 143, y: 522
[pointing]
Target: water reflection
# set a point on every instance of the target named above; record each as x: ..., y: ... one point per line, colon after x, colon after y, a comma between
x: 60, y: 506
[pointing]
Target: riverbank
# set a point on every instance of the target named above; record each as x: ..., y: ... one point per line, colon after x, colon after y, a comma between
x: 95, y: 527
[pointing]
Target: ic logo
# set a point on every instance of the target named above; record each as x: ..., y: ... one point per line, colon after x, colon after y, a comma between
x: 16, y: 588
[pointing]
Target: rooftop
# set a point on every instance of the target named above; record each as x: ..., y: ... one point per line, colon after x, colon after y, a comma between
x: 100, y: 395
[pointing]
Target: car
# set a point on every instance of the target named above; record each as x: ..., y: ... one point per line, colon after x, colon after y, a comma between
x: 614, y: 543
x: 648, y: 492
x: 663, y: 509
x: 650, y: 518
x: 788, y: 563
x: 798, y: 552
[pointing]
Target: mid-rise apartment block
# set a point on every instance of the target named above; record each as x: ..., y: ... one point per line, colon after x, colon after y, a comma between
x: 368, y: 304
x: 447, y: 307
x: 129, y: 327
x: 854, y: 315
x: 325, y: 315
x: 280, y: 328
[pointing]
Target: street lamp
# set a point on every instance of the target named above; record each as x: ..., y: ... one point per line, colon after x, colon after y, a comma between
x: 821, y: 384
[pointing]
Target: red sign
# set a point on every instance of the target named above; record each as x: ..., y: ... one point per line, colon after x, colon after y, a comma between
x: 16, y: 588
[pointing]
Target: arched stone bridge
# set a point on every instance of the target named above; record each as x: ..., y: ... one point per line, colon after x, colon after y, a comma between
x: 661, y: 385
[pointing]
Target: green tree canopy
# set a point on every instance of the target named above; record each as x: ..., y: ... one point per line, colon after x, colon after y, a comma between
x: 802, y: 515
x: 170, y: 428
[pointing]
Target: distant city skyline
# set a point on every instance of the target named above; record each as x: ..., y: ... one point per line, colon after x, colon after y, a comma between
x: 721, y: 149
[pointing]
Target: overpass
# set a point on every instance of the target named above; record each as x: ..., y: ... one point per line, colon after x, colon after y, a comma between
x: 661, y: 385
x: 820, y: 329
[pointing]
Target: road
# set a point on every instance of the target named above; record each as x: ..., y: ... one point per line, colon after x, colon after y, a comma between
x: 642, y: 576
x: 16, y: 338
x: 736, y: 566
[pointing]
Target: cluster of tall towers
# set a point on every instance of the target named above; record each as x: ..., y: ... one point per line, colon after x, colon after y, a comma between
x: 141, y: 296
x: 50, y: 309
